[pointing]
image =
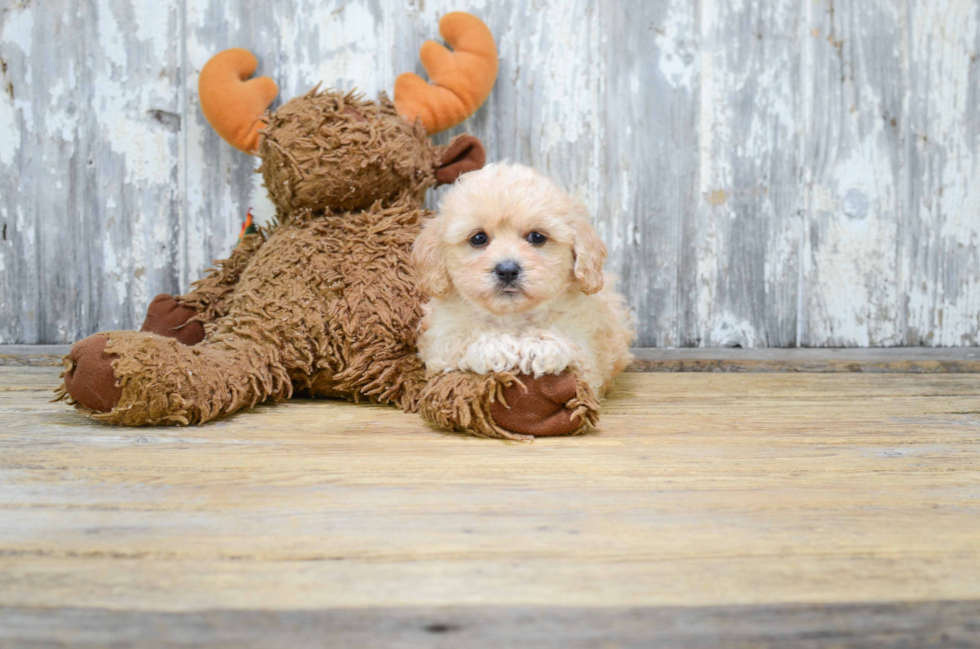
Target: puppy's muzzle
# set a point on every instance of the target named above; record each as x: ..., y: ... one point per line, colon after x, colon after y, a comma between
x: 507, y: 272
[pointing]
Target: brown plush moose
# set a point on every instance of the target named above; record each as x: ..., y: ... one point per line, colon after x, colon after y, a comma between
x: 324, y: 303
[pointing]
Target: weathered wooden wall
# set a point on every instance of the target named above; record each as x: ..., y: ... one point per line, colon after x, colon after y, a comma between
x: 766, y: 172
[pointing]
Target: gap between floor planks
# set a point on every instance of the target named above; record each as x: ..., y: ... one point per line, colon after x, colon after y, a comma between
x: 872, y: 360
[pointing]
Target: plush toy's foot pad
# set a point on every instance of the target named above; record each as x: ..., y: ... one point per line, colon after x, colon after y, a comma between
x: 168, y: 317
x: 90, y: 381
x: 540, y: 407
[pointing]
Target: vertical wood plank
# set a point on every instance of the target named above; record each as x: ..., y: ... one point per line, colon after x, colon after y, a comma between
x: 19, y: 156
x: 89, y: 124
x: 128, y: 167
x: 940, y: 256
x: 854, y: 169
x: 750, y: 215
x: 647, y: 196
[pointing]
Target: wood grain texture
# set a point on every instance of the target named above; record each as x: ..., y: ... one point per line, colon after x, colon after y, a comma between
x: 89, y: 196
x: 766, y: 173
x: 749, y: 212
x: 941, y: 271
x: 649, y: 166
x: 917, y: 360
x: 923, y: 625
x: 854, y: 161
x: 814, y: 507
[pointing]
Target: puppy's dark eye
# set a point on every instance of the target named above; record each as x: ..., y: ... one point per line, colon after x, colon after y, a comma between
x: 479, y: 239
x: 536, y: 238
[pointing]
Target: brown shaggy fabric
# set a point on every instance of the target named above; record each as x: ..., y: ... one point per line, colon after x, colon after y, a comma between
x: 167, y: 317
x: 338, y: 319
x: 164, y: 382
x: 462, y: 401
x: 209, y: 295
x: 333, y: 151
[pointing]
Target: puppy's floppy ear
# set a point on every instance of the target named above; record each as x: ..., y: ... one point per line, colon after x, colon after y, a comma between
x: 590, y: 253
x: 464, y: 153
x: 430, y: 268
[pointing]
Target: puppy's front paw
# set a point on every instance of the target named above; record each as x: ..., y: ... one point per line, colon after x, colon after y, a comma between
x: 545, y: 356
x: 491, y: 354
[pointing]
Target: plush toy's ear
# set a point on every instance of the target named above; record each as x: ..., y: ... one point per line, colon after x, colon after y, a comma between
x: 430, y: 268
x: 464, y: 153
x: 590, y: 254
x: 232, y: 103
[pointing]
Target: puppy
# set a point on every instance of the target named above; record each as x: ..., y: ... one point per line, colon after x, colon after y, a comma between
x: 514, y: 272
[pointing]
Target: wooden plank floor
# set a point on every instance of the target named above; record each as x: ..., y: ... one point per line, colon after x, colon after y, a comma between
x: 711, y: 509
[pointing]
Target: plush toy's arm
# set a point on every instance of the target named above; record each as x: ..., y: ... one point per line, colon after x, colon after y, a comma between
x: 462, y: 401
x: 509, y: 406
x: 209, y: 295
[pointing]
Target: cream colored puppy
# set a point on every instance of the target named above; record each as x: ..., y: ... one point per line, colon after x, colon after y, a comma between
x: 514, y: 270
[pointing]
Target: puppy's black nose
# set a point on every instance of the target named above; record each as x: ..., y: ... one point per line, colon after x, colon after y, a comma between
x: 507, y: 271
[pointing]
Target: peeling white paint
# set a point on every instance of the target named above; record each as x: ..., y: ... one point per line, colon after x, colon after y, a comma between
x: 25, y: 228
x: 677, y: 51
x: 568, y: 105
x: 942, y: 257
x: 858, y: 288
x: 263, y: 209
x: 349, y: 45
x: 853, y: 273
x: 730, y: 331
x: 9, y: 132
x: 150, y: 18
x: 111, y: 39
x: 18, y: 29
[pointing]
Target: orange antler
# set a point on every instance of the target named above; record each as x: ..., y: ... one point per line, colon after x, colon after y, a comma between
x: 233, y: 103
x: 462, y: 78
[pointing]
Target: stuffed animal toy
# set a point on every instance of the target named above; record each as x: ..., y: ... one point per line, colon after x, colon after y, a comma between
x: 324, y: 303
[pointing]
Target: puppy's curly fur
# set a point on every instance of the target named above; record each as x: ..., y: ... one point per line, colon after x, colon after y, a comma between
x: 551, y: 308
